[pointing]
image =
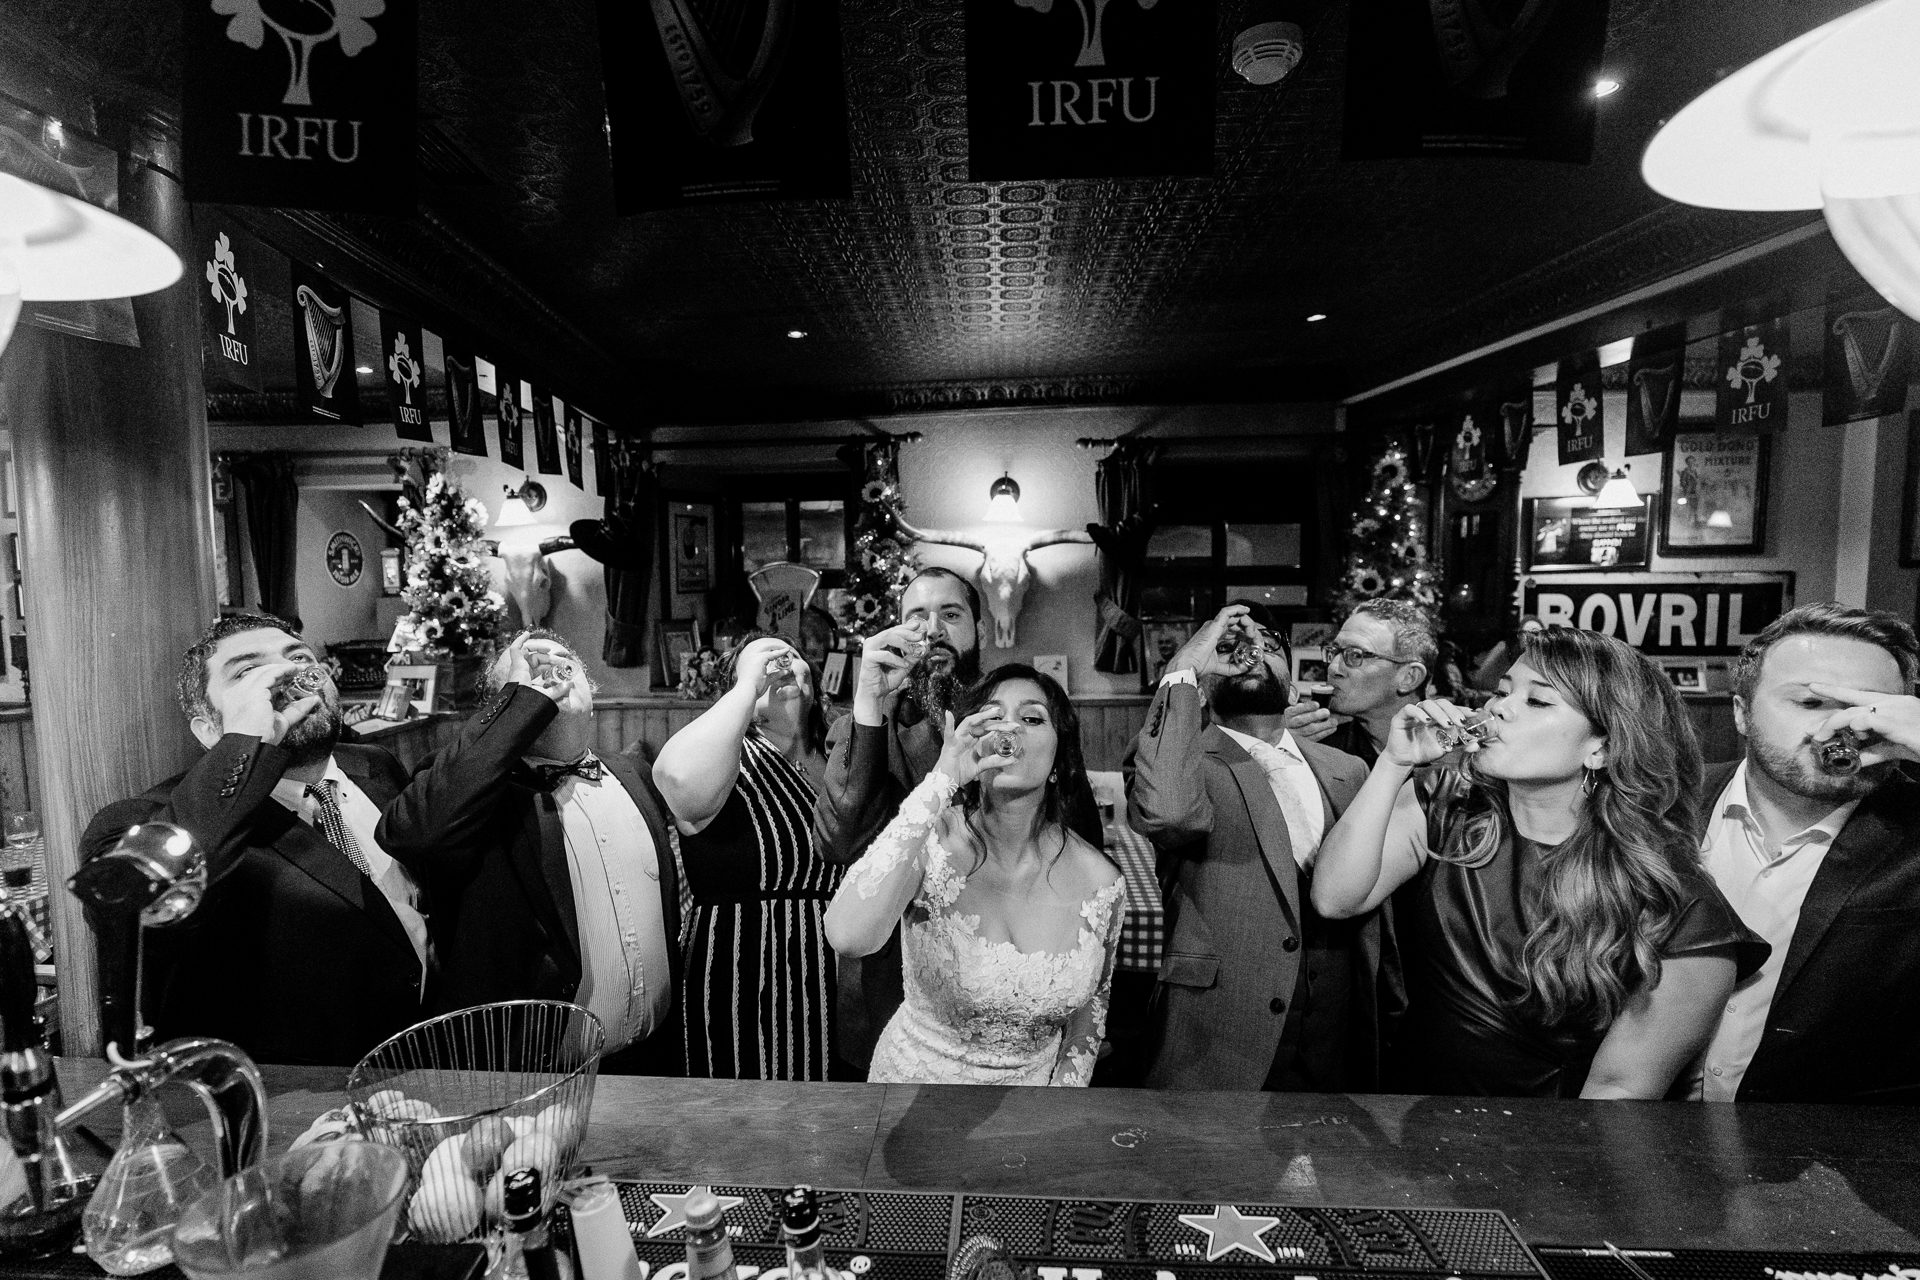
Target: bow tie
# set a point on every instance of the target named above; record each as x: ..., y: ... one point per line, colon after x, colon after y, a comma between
x: 547, y: 777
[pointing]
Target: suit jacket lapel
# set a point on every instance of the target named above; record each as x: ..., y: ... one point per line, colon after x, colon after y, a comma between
x: 1862, y: 845
x: 315, y: 855
x: 1269, y: 822
x: 656, y: 820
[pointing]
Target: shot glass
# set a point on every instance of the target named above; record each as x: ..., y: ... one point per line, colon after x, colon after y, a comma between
x: 781, y: 662
x: 1475, y: 729
x: 1840, y: 754
x: 1007, y: 743
x: 303, y: 682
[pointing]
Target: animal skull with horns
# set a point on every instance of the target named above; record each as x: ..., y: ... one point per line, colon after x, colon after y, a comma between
x: 1004, y: 573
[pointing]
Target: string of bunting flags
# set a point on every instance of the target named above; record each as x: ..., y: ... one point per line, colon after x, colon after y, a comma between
x: 239, y: 269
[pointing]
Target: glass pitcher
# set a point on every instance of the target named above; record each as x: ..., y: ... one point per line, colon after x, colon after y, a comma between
x: 128, y: 1225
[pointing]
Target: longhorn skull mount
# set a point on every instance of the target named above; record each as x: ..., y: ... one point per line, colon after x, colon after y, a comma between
x: 1004, y: 573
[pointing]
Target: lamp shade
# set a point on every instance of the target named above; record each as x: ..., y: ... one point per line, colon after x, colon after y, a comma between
x: 1618, y: 491
x: 513, y: 512
x: 58, y: 249
x: 1003, y: 501
x: 1828, y: 121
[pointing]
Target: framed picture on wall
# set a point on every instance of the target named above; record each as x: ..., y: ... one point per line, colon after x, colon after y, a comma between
x: 1715, y: 494
x: 692, y: 531
x: 391, y: 573
x: 420, y: 682
x: 678, y: 641
x: 1572, y: 533
x: 1310, y: 665
x: 1163, y: 638
x: 833, y: 677
x: 1687, y: 677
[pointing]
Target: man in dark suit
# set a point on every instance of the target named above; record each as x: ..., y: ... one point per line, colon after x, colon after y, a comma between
x: 909, y: 674
x: 310, y: 945
x: 1824, y: 865
x: 550, y: 866
x: 1256, y: 991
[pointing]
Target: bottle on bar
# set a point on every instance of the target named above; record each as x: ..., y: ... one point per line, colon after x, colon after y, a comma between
x: 709, y: 1251
x: 800, y: 1225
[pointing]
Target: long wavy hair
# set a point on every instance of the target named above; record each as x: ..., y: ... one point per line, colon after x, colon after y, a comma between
x: 814, y: 726
x: 1068, y: 803
x: 1612, y: 892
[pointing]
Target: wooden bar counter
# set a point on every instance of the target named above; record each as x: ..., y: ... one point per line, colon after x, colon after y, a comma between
x: 1651, y: 1175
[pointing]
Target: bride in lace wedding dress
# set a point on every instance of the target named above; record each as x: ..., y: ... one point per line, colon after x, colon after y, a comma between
x: 1011, y: 921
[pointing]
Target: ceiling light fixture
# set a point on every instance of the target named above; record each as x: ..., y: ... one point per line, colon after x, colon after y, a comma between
x: 57, y: 249
x: 796, y: 333
x: 1829, y: 121
x: 363, y: 368
x: 1605, y: 87
x: 1318, y: 315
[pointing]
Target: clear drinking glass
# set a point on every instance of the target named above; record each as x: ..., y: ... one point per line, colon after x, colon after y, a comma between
x: 154, y: 1176
x: 324, y: 1212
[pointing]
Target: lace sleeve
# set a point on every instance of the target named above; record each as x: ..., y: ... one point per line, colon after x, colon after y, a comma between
x: 1086, y: 1026
x: 879, y: 886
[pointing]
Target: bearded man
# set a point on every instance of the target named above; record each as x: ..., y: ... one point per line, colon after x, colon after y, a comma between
x: 1256, y: 991
x: 1823, y: 861
x: 909, y: 675
x: 310, y: 945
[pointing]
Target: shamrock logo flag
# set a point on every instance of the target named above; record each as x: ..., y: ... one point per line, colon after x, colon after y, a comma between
x: 409, y: 364
x: 303, y: 28
x: 1581, y: 413
x: 1752, y: 388
x: 223, y: 275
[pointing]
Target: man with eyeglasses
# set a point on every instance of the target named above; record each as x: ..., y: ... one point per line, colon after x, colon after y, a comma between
x: 1256, y: 991
x: 1378, y: 664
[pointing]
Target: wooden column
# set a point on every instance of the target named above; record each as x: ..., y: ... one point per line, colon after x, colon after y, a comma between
x: 116, y: 520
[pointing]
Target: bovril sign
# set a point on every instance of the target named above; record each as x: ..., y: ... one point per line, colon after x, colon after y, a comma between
x: 1663, y: 614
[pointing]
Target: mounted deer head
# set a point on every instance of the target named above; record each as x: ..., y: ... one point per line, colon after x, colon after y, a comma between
x: 1004, y: 573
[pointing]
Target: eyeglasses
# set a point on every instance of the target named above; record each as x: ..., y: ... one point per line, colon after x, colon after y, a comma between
x: 1352, y: 655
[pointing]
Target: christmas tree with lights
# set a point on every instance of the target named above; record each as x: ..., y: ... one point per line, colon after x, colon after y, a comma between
x: 1387, y: 550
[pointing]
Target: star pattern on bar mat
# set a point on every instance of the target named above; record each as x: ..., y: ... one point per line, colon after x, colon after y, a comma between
x: 674, y: 1209
x: 1228, y: 1229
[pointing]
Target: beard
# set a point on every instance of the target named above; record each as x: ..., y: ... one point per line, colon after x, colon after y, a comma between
x: 314, y: 738
x: 933, y: 690
x: 1257, y: 693
x: 1795, y: 773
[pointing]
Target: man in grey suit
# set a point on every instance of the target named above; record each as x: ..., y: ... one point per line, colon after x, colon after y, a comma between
x: 1256, y: 991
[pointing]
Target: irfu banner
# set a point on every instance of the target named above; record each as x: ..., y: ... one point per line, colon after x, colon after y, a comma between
x: 1869, y: 351
x: 1089, y: 88
x: 1576, y: 405
x: 1752, y: 389
x: 1655, y: 373
x: 512, y: 417
x: 572, y: 442
x: 323, y: 347
x: 300, y: 106
x: 400, y: 351
x: 602, y: 461
x: 228, y: 307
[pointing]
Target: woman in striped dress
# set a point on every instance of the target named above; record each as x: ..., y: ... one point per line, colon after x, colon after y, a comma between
x: 759, y: 987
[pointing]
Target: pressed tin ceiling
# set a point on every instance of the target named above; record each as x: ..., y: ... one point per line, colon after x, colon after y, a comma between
x: 925, y: 289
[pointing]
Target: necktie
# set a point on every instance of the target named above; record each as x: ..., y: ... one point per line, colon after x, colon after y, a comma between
x: 1277, y: 765
x: 335, y: 825
x: 549, y: 776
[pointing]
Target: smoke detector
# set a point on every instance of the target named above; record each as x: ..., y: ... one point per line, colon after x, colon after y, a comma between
x: 1265, y: 52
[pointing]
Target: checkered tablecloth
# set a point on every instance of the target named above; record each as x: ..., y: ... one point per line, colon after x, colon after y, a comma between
x: 1143, y: 937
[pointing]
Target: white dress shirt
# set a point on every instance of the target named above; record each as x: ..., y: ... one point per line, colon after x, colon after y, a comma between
x: 1294, y: 787
x: 362, y: 815
x: 624, y: 975
x: 1766, y: 887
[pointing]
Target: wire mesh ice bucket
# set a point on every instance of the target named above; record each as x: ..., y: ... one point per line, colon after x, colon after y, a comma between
x: 470, y: 1096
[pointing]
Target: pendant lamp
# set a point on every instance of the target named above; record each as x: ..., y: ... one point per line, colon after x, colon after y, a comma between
x: 54, y: 248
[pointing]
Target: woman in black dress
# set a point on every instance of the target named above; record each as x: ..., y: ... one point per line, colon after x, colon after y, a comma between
x: 759, y: 993
x: 1560, y: 936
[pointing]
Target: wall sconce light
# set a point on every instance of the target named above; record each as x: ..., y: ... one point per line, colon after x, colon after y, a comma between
x: 57, y: 249
x: 1618, y: 491
x: 1003, y: 501
x: 521, y: 503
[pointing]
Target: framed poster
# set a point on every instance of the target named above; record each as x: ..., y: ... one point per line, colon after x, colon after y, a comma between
x: 1677, y: 615
x: 1566, y: 534
x: 678, y: 642
x: 1163, y: 637
x: 1715, y: 492
x: 421, y: 682
x: 692, y: 531
x: 1688, y: 676
x: 1310, y: 665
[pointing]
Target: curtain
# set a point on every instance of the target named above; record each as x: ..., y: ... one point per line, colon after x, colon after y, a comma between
x: 628, y: 564
x: 1126, y: 522
x: 273, y: 501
